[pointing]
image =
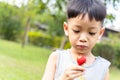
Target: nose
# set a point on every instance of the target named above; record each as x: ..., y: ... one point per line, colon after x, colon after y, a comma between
x: 83, y: 37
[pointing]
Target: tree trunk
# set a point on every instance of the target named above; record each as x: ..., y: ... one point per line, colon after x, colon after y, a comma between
x: 25, y: 35
x: 64, y: 41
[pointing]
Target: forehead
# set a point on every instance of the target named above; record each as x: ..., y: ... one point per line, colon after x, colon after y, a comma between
x: 84, y: 21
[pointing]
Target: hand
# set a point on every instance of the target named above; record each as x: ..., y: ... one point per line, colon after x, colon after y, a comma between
x: 72, y: 72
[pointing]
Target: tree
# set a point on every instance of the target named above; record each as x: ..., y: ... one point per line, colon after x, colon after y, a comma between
x: 10, y: 25
x: 30, y: 10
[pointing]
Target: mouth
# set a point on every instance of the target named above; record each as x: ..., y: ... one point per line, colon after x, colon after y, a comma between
x: 82, y: 46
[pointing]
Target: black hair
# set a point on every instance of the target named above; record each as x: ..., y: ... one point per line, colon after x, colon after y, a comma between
x: 94, y: 8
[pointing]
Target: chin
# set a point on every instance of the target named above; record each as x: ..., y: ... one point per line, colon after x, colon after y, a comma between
x: 81, y: 52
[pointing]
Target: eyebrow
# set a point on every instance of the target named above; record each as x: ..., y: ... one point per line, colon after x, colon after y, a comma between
x: 79, y: 26
x: 93, y: 28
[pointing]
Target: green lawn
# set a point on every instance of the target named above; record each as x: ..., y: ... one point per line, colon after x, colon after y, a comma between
x: 27, y: 63
x: 114, y: 74
x: 18, y: 63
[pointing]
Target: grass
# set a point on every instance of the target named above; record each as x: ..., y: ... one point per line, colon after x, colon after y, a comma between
x: 114, y: 73
x: 17, y: 63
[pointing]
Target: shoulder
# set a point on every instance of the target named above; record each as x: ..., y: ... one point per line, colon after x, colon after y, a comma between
x: 53, y: 56
x: 50, y: 66
x: 60, y: 52
x: 103, y: 61
x: 60, y: 56
x: 57, y: 53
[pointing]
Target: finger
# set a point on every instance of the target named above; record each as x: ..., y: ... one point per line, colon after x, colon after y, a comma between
x: 73, y: 71
x: 77, y: 68
x: 74, y: 74
x: 77, y: 72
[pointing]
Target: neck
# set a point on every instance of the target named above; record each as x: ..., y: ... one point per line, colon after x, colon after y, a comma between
x: 90, y: 58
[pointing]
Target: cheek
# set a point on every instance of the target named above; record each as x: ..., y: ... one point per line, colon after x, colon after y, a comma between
x: 73, y: 39
x: 95, y: 38
x: 93, y: 42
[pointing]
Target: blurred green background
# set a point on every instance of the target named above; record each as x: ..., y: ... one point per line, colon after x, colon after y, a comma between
x: 31, y: 29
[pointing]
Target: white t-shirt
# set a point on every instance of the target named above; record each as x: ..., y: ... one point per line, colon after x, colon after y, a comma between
x: 95, y: 71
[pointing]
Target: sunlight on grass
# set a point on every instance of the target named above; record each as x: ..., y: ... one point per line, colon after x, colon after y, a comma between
x: 114, y: 73
x: 18, y: 63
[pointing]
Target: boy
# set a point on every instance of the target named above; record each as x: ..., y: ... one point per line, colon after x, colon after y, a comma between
x: 83, y: 28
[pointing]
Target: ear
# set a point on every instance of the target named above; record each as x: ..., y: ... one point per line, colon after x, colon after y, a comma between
x: 65, y: 26
x: 102, y: 30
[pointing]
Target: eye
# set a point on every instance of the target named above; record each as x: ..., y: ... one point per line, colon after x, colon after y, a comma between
x: 92, y: 33
x: 76, y: 31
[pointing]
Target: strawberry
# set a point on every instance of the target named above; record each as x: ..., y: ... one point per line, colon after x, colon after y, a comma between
x: 81, y: 60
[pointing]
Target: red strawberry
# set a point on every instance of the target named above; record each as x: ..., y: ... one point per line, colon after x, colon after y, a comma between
x: 81, y: 60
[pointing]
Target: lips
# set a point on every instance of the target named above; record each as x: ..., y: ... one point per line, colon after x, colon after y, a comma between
x: 82, y: 46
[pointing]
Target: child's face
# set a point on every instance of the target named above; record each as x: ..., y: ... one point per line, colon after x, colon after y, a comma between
x: 83, y: 33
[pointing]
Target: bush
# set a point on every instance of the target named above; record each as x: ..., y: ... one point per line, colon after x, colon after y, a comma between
x: 44, y: 40
x: 115, y: 43
x: 117, y: 56
x: 67, y: 45
x: 105, y: 51
x: 10, y: 23
x: 11, y: 30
